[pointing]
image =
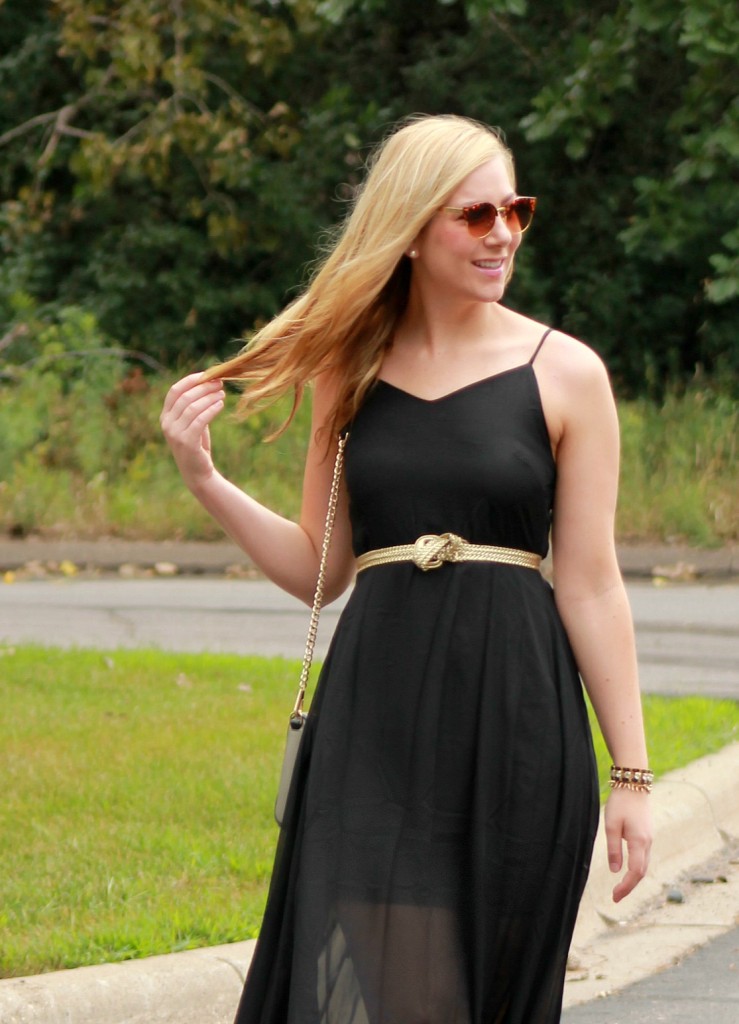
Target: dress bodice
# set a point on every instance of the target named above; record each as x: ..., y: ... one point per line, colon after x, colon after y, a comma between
x: 476, y: 462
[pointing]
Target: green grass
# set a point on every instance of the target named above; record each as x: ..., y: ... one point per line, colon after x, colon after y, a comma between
x: 679, y: 730
x: 86, y: 458
x: 678, y: 474
x: 138, y: 789
x: 98, y: 465
x: 137, y: 802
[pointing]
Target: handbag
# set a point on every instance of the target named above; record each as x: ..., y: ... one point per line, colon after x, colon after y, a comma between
x: 298, y: 716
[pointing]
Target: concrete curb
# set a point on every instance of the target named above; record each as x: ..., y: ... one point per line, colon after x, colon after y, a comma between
x: 200, y: 986
x: 190, y: 557
x: 672, y: 561
x: 696, y: 809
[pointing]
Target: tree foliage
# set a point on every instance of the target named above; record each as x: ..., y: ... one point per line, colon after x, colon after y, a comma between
x: 147, y: 168
x: 648, y: 102
x: 169, y: 164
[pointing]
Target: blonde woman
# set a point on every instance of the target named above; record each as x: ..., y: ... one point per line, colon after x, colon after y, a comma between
x: 438, y: 835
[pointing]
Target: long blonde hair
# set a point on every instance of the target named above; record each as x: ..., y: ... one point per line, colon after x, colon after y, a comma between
x: 346, y: 318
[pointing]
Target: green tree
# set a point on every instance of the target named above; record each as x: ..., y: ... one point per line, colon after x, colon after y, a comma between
x: 642, y: 97
x: 169, y: 165
x: 141, y: 163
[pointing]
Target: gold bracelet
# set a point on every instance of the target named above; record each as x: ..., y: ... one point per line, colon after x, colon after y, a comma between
x: 637, y: 779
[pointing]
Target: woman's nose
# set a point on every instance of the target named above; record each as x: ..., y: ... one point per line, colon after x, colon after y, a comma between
x: 500, y: 233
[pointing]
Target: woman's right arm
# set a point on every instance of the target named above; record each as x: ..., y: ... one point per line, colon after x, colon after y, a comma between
x: 288, y: 553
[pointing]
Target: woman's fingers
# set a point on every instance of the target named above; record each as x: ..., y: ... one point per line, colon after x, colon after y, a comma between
x: 628, y: 820
x: 636, y: 868
x: 189, y: 418
x: 188, y: 390
x: 182, y: 387
x: 189, y: 408
x: 189, y: 399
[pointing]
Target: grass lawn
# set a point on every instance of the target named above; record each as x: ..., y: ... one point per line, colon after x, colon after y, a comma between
x: 138, y: 789
x: 100, y: 467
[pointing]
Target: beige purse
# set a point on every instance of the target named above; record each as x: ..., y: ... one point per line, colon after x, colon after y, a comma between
x: 298, y: 716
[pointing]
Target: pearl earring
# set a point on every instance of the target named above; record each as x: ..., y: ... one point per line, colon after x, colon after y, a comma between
x: 413, y: 253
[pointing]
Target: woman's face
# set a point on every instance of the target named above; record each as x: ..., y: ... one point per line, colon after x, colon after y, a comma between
x: 450, y: 261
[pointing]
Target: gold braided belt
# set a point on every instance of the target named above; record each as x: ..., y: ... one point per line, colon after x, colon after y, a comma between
x: 432, y: 550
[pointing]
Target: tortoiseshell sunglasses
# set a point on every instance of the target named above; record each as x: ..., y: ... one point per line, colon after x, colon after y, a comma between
x: 480, y: 217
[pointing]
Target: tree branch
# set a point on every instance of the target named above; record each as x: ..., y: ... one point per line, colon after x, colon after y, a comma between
x: 179, y: 51
x: 121, y: 353
x: 65, y: 115
x: 233, y: 94
x: 62, y: 117
x: 505, y: 29
x: 27, y: 126
x: 15, y: 332
x: 77, y: 133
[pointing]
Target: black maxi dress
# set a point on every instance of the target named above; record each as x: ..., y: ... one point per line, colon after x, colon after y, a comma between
x: 439, y: 830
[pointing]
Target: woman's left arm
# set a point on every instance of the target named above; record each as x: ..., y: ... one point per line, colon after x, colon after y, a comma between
x: 591, y: 597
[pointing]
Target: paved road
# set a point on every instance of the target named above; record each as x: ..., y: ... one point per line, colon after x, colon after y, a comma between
x: 687, y: 634
x: 704, y: 989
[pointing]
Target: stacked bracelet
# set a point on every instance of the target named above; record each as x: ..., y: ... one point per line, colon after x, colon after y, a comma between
x: 638, y: 779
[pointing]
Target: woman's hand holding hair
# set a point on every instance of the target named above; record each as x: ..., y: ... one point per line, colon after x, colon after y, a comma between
x: 190, y: 407
x: 286, y: 552
x: 628, y: 818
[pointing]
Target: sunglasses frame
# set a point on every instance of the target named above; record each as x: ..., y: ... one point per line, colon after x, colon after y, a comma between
x: 498, y: 211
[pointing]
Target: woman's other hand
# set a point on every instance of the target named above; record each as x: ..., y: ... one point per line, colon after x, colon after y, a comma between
x: 190, y: 407
x: 628, y: 819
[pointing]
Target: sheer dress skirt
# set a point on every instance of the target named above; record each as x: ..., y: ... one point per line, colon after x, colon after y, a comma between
x: 439, y: 830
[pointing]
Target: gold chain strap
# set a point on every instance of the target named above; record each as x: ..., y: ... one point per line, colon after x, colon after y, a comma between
x: 310, y: 643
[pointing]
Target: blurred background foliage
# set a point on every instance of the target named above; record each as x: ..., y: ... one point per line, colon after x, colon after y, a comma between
x: 167, y: 166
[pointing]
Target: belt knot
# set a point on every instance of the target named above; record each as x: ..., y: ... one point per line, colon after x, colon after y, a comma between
x: 433, y: 549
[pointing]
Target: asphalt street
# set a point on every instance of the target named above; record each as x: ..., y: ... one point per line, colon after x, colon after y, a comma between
x: 687, y: 633
x: 703, y: 989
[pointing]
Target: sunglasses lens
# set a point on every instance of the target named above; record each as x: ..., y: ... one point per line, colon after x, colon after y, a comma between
x: 479, y: 218
x: 520, y: 212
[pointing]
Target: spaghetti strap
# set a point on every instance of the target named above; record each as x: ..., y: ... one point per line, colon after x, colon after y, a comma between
x: 544, y: 337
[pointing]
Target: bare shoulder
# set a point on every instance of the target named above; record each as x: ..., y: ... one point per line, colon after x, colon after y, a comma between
x: 573, y: 383
x: 570, y: 360
x: 570, y: 369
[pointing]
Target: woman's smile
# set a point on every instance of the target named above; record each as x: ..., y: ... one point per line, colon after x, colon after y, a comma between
x: 491, y: 268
